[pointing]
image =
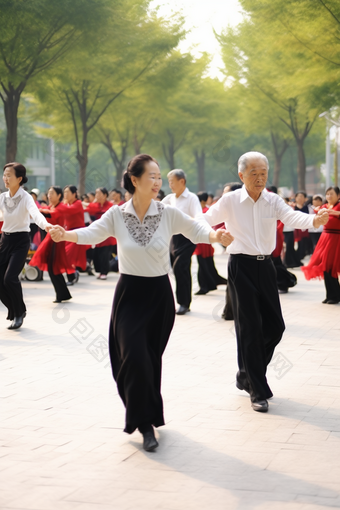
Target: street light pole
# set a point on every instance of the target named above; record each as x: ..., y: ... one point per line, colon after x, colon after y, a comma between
x: 328, y: 155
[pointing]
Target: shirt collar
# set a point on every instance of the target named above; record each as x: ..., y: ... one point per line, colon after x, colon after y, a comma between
x: 244, y: 195
x: 128, y: 208
x: 17, y: 193
x: 185, y: 193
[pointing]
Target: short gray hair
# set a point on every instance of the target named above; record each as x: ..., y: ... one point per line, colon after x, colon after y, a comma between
x: 179, y: 174
x: 245, y: 158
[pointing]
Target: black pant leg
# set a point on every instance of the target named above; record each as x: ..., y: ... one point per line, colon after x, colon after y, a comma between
x: 182, y: 272
x: 205, y: 275
x: 227, y: 313
x: 291, y: 258
x: 257, y: 331
x: 12, y: 260
x: 332, y: 287
x: 58, y: 281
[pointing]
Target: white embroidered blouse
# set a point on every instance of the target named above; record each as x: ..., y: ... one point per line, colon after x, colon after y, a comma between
x: 17, y: 211
x: 144, y: 247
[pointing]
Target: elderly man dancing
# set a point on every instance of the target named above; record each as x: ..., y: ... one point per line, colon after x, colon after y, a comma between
x: 251, y: 214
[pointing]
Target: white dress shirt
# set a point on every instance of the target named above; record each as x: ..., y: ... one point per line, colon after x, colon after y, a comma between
x: 187, y: 202
x: 144, y: 247
x: 18, y: 210
x: 253, y: 224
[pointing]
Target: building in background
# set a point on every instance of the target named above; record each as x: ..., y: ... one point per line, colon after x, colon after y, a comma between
x: 40, y: 163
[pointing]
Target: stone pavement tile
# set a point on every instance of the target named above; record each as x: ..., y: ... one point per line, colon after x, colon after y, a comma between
x: 63, y: 420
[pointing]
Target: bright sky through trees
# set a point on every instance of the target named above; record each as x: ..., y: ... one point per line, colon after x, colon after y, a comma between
x: 202, y: 17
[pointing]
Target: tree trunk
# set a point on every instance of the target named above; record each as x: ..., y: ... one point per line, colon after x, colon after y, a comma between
x: 11, y: 106
x: 278, y: 156
x: 301, y: 166
x: 83, y: 160
x: 200, y: 162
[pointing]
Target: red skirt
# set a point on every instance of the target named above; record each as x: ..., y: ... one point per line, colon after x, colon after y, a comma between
x: 76, y: 254
x: 205, y: 250
x: 42, y: 257
x: 326, y: 257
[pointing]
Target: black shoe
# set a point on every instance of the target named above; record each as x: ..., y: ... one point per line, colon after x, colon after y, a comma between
x: 69, y: 284
x: 17, y: 322
x: 325, y: 301
x: 332, y: 302
x: 149, y: 441
x: 182, y: 310
x: 260, y: 405
x: 283, y: 291
x: 201, y: 292
x: 243, y: 386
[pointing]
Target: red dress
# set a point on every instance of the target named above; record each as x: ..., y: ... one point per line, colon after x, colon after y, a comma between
x: 326, y: 257
x: 205, y: 250
x: 42, y: 256
x: 97, y: 210
x: 74, y: 218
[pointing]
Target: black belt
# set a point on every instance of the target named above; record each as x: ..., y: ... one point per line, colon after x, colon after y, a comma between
x: 253, y: 257
x: 331, y: 231
x: 14, y: 233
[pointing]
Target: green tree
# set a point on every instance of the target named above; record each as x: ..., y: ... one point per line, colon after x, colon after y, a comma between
x: 34, y: 36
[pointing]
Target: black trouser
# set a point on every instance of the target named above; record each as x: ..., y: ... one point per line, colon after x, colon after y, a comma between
x: 181, y: 250
x: 101, y: 259
x: 58, y: 281
x: 258, y: 319
x: 227, y: 313
x: 332, y: 287
x: 284, y: 278
x: 13, y: 252
x: 291, y: 257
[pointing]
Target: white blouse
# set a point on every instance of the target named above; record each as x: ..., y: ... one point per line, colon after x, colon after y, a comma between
x: 17, y: 211
x: 143, y: 248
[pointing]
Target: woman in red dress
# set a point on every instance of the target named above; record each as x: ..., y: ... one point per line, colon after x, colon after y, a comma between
x: 74, y: 218
x: 51, y: 256
x: 325, y: 261
x: 103, y: 251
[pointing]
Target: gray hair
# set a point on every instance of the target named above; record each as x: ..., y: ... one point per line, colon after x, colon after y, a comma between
x: 245, y: 158
x: 179, y: 174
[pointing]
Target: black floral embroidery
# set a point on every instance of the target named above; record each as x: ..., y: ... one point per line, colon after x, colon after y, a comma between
x: 143, y: 232
x: 11, y: 203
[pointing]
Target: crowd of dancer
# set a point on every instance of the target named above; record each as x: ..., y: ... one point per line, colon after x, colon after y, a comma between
x: 105, y: 231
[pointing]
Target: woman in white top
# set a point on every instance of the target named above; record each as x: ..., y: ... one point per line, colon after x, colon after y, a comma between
x: 143, y: 309
x: 17, y: 207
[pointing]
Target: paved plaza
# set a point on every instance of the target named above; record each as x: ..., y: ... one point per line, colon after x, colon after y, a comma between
x: 62, y: 445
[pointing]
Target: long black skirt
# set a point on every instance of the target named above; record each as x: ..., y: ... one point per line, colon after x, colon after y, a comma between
x: 143, y: 315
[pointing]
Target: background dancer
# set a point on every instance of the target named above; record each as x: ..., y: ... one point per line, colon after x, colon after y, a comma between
x: 143, y: 310
x: 17, y: 207
x: 181, y: 248
x: 251, y: 214
x: 325, y: 261
x: 50, y: 256
x: 74, y: 218
x: 102, y: 252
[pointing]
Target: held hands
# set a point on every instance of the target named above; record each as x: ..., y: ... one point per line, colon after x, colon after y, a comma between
x: 320, y: 218
x: 223, y: 237
x: 57, y: 233
x: 48, y: 227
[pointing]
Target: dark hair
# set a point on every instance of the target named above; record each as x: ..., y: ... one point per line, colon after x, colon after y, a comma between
x: 19, y: 170
x: 58, y: 191
x: 272, y: 188
x: 334, y: 188
x: 73, y: 189
x: 202, y: 196
x: 301, y: 193
x: 233, y: 185
x: 318, y: 197
x: 211, y: 195
x: 161, y: 194
x: 117, y: 191
x: 84, y: 196
x: 135, y: 168
x: 104, y: 191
